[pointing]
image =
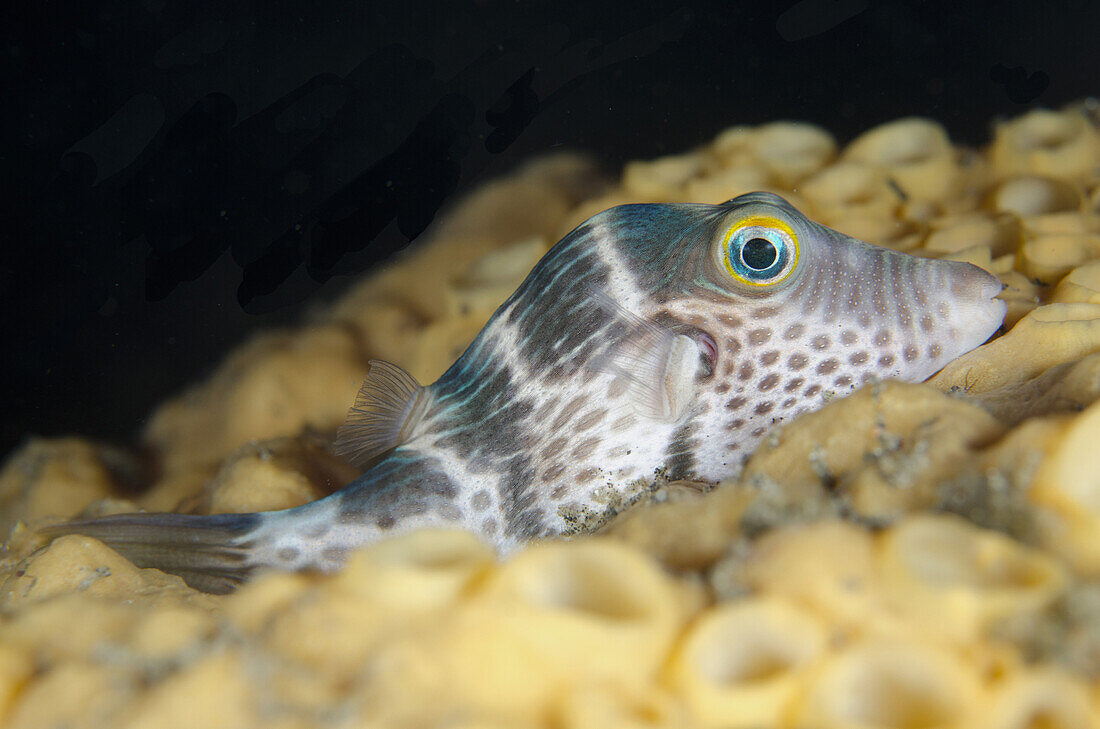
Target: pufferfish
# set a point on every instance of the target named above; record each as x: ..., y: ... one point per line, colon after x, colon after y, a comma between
x: 653, y: 342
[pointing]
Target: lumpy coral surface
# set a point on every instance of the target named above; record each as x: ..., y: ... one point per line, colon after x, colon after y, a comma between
x: 919, y: 556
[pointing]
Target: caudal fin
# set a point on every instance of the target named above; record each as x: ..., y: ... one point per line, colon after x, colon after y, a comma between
x: 211, y: 553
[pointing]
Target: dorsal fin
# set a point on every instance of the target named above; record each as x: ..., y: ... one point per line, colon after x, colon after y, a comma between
x: 389, y: 405
x: 658, y: 364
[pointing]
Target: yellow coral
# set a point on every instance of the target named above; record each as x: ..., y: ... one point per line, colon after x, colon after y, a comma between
x: 915, y: 152
x: 890, y: 683
x: 1043, y: 697
x: 561, y: 616
x: 1068, y: 486
x: 743, y: 663
x: 1059, y: 143
x: 51, y: 478
x: 851, y: 188
x: 947, y: 576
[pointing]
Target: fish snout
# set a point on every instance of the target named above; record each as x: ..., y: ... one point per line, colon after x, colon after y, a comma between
x: 919, y: 313
x: 973, y: 299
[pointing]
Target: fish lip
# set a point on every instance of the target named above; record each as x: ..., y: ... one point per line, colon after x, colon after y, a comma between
x: 988, y: 298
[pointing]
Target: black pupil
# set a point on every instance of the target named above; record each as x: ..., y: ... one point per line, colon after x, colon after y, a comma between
x: 759, y: 254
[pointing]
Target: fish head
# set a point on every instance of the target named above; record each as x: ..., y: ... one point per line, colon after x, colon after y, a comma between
x: 787, y: 312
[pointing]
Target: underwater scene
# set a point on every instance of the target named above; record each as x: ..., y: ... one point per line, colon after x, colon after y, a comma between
x: 790, y: 425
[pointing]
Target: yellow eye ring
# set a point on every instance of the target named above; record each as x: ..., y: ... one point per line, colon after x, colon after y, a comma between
x: 760, y: 251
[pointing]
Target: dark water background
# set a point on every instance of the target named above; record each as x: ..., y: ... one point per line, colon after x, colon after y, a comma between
x: 177, y: 174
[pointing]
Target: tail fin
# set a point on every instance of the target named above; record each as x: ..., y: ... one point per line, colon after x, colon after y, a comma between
x: 210, y: 553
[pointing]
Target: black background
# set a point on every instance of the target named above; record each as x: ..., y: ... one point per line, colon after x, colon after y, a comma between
x: 178, y: 173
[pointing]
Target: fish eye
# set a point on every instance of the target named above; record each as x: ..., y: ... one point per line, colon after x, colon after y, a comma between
x: 760, y: 251
x: 759, y: 254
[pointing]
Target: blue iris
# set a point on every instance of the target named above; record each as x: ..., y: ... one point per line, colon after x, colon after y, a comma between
x: 759, y: 254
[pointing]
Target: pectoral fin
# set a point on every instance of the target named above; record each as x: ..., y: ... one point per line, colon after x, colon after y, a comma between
x: 658, y: 365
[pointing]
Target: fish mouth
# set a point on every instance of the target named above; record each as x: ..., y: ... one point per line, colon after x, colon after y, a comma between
x: 979, y: 291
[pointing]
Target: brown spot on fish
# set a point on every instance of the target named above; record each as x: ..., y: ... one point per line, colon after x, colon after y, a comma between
x: 820, y: 342
x: 843, y: 381
x: 730, y: 320
x: 848, y: 337
x: 568, y: 412
x: 765, y: 312
x: 768, y: 382
x: 480, y: 500
x: 757, y: 432
x: 746, y: 370
x: 735, y: 424
x: 859, y: 358
x: 623, y: 423
x: 553, y: 471
x: 759, y: 336
x: 935, y: 351
x: 910, y: 353
x: 927, y: 323
x: 797, y: 361
x: 827, y: 366
x: 588, y: 474
x: 585, y: 448
x: 736, y: 403
x: 723, y: 388
x: 559, y: 492
x: 793, y: 332
x: 886, y: 360
x: 591, y: 420
x: 385, y: 522
x: 764, y: 408
x: 789, y: 402
x: 288, y: 554
x: 489, y: 525
x: 812, y: 390
x: 794, y: 384
x: 554, y: 447
x: 882, y: 337
x: 769, y: 358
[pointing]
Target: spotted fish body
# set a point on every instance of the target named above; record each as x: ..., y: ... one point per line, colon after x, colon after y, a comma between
x: 642, y: 346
